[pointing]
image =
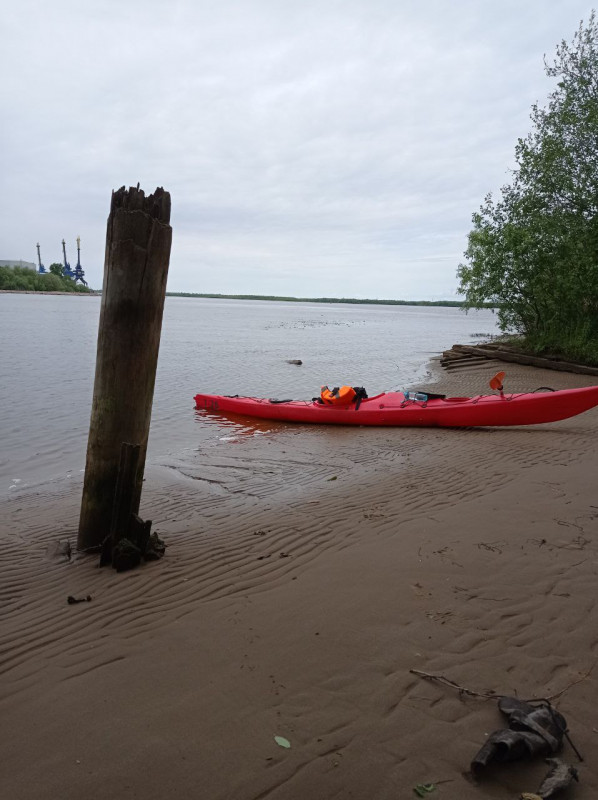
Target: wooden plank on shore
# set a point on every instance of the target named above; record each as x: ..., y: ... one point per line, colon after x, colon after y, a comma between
x: 473, y: 362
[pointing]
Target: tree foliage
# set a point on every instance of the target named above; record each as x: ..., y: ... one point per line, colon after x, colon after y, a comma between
x: 533, y: 252
x: 57, y: 269
x: 27, y: 280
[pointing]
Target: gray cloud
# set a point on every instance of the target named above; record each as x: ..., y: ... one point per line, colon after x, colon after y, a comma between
x: 314, y: 148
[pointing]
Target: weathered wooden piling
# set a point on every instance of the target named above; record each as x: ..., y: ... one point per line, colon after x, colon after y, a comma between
x: 124, y: 491
x: 138, y: 242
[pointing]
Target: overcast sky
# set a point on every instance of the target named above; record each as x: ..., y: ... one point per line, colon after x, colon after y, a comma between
x: 328, y: 148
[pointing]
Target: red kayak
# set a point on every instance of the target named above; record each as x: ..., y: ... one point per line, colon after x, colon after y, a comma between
x: 394, y: 408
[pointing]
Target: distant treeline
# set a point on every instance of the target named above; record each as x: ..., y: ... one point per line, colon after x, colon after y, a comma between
x: 451, y: 303
x: 21, y: 279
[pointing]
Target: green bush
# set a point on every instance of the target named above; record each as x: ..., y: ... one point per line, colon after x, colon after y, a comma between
x: 26, y: 280
x: 533, y: 252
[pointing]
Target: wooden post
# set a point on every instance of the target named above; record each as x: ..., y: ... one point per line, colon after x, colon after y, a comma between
x: 124, y: 492
x: 138, y: 241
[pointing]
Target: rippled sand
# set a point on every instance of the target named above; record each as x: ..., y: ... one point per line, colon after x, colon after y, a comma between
x: 307, y: 572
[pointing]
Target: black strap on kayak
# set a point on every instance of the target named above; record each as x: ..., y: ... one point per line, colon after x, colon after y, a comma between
x: 272, y: 400
x: 431, y: 395
x: 360, y: 394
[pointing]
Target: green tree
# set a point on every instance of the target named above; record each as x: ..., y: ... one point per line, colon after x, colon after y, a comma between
x: 23, y: 279
x: 533, y: 252
x: 57, y: 269
x: 52, y: 283
x: 7, y: 278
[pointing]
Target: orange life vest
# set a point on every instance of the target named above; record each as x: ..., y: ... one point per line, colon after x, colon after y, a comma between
x: 339, y: 396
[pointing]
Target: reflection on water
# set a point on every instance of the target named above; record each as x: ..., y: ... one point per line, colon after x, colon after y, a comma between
x: 237, y: 424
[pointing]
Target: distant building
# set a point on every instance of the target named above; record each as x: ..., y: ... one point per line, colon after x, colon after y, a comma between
x: 24, y: 264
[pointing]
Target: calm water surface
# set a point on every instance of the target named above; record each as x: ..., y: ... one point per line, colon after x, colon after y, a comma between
x: 225, y: 347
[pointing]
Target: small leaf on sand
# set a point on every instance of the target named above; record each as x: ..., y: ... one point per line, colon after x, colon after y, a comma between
x: 280, y: 740
x: 332, y: 479
x: 422, y: 789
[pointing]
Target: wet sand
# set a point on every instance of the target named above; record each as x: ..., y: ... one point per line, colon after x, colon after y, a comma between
x: 306, y: 574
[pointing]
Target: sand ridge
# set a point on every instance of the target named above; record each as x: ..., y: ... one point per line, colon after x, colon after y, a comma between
x: 307, y: 572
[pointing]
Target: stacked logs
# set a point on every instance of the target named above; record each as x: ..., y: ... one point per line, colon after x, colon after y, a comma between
x: 461, y: 356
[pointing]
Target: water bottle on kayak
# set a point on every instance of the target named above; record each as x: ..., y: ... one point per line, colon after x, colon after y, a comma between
x: 419, y: 396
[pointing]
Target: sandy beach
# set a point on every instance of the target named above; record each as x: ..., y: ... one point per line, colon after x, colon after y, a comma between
x: 300, y: 587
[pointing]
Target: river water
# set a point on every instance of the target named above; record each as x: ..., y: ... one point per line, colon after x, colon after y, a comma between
x: 208, y: 345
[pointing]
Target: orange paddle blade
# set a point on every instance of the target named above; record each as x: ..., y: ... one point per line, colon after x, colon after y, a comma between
x: 496, y: 381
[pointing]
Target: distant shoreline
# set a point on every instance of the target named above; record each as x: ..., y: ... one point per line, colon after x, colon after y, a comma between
x: 348, y: 300
x: 66, y: 294
x: 271, y: 298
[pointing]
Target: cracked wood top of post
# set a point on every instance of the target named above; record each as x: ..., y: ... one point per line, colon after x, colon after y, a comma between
x: 157, y: 205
